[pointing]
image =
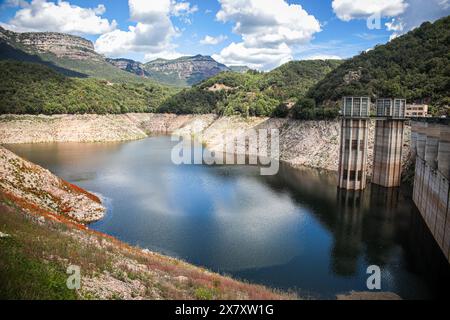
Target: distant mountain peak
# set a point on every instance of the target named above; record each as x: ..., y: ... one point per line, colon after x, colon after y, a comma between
x: 183, y: 71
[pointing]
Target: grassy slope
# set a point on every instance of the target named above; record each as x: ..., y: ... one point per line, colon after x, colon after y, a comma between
x: 96, y: 69
x: 34, y: 88
x: 33, y: 261
x: 23, y: 274
x: 415, y: 66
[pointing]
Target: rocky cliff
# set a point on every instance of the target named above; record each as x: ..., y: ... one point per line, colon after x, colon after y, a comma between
x: 185, y: 70
x: 130, y: 66
x: 60, y: 44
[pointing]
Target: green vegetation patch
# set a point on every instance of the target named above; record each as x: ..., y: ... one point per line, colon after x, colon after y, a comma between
x: 23, y: 277
x: 29, y: 88
x: 252, y: 93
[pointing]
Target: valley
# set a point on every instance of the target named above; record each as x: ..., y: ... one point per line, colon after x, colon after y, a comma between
x: 88, y: 180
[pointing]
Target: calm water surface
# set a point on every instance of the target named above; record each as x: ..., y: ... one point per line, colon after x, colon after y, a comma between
x: 293, y: 231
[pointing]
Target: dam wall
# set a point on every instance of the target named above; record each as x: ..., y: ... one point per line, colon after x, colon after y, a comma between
x: 431, y: 194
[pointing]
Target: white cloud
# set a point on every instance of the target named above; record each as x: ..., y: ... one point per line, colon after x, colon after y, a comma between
x: 183, y: 8
x: 323, y: 57
x: 255, y: 58
x: 40, y: 15
x: 347, y: 10
x: 270, y: 30
x: 152, y: 33
x: 396, y: 26
x: 210, y: 40
x: 406, y: 14
x: 146, y: 11
x: 169, y: 55
x: 445, y: 4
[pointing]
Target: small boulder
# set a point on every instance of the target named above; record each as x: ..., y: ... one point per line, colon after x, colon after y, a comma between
x: 4, y: 235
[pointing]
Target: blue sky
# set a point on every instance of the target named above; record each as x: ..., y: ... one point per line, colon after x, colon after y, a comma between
x: 259, y: 33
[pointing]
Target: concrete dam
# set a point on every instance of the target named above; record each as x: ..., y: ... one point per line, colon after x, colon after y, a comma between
x: 430, y: 139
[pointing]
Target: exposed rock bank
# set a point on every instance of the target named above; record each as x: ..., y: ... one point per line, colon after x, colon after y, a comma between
x: 302, y: 143
x: 34, y: 187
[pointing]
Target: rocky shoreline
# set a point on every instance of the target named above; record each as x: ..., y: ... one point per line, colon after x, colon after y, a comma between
x: 302, y: 143
x: 32, y: 186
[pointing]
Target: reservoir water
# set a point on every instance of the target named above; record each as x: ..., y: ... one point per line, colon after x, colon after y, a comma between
x: 293, y: 231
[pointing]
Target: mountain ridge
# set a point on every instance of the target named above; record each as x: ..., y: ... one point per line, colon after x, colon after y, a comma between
x: 183, y: 71
x: 76, y: 56
x: 68, y: 54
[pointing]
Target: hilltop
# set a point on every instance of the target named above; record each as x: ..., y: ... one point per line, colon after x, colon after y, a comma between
x: 252, y: 93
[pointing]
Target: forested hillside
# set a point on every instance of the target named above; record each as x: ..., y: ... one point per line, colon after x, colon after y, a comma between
x: 251, y: 93
x: 415, y: 66
x: 34, y: 88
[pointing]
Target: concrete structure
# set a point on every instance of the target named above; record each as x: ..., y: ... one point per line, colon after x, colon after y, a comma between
x: 416, y: 110
x: 354, y: 140
x: 431, y: 194
x: 387, y: 159
x: 391, y: 108
x: 430, y: 145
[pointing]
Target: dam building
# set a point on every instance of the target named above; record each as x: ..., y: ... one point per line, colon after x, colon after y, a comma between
x: 354, y: 139
x: 389, y: 129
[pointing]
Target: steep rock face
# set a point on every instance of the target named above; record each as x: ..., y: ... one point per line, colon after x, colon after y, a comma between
x: 129, y: 65
x: 190, y: 70
x: 184, y: 71
x: 60, y: 44
x: 68, y: 128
